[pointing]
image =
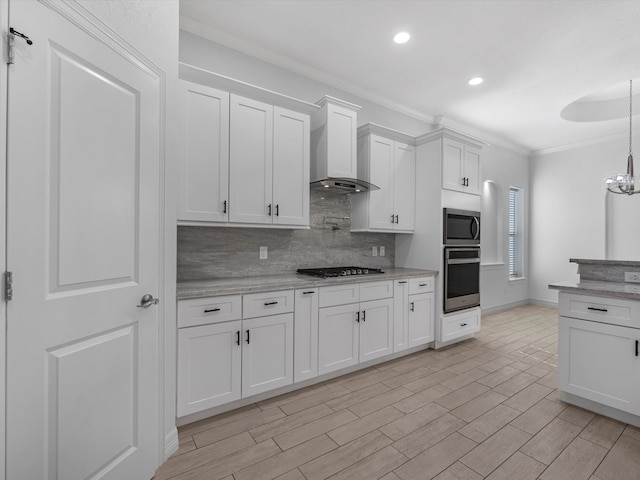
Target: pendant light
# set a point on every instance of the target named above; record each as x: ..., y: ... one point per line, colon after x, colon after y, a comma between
x: 624, y: 183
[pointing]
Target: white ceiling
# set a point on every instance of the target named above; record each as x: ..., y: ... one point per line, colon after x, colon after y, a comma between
x: 537, y: 56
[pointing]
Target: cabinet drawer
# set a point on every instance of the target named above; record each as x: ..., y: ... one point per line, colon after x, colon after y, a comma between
x: 267, y: 303
x: 615, y: 311
x: 333, y: 295
x: 376, y: 290
x: 460, y: 324
x: 421, y: 285
x: 202, y: 311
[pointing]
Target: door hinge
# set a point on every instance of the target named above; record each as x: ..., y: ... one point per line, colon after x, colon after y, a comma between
x: 11, y: 41
x: 8, y: 286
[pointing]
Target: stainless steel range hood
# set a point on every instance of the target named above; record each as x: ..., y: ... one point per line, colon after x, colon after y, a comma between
x: 343, y: 185
x: 334, y: 148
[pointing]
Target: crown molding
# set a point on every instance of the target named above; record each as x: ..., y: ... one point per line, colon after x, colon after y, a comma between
x: 196, y: 27
x: 207, y: 32
x: 390, y: 133
x: 583, y: 143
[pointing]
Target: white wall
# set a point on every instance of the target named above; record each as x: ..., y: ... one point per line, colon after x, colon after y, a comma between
x: 568, y: 218
x: 505, y: 168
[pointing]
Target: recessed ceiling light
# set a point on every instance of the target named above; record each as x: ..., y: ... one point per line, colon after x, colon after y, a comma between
x: 476, y: 81
x: 402, y: 37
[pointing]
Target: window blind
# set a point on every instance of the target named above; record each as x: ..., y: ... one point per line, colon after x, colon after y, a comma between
x: 515, y: 232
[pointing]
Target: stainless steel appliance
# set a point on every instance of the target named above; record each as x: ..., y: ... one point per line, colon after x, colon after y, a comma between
x: 461, y: 278
x: 460, y: 227
x: 338, y: 271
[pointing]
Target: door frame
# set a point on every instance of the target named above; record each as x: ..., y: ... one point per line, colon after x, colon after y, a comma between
x: 167, y: 442
x: 4, y: 30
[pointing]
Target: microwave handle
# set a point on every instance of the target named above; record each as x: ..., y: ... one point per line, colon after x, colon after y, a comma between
x: 476, y: 222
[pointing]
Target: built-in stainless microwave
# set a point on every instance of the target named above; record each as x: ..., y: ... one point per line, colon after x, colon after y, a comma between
x: 460, y: 227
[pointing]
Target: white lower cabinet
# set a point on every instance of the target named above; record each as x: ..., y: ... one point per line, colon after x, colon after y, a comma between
x: 459, y: 324
x: 598, y: 360
x: 305, y: 343
x: 413, y: 314
x: 338, y: 340
x: 209, y: 366
x: 267, y: 353
x: 224, y: 361
x: 355, y: 332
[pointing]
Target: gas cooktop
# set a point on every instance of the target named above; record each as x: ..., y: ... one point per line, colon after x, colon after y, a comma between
x: 338, y: 271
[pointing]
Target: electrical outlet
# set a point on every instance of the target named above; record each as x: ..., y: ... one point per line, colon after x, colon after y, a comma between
x: 374, y: 251
x: 263, y: 253
x: 632, y: 277
x: 382, y: 250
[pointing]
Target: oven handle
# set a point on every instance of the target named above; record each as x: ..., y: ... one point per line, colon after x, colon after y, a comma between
x: 459, y: 261
x: 476, y: 222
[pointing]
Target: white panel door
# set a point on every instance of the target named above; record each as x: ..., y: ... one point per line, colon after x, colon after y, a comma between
x: 404, y: 186
x: 381, y: 214
x: 267, y: 353
x: 82, y: 242
x: 209, y: 366
x: 421, y: 313
x: 338, y: 337
x: 452, y: 156
x: 204, y: 153
x: 290, y: 167
x: 305, y: 345
x: 376, y: 329
x: 472, y: 170
x: 250, y: 161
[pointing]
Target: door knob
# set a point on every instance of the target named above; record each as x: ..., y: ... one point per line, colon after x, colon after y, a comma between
x: 147, y: 300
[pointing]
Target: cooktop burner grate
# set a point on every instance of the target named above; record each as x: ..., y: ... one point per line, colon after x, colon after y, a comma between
x: 338, y: 271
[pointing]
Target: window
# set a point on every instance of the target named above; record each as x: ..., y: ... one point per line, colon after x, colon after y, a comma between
x: 515, y: 233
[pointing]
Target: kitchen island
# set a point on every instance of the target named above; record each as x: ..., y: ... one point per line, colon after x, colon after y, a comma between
x: 599, y: 339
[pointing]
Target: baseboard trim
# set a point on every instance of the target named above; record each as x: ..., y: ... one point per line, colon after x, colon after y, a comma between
x: 170, y: 443
x: 543, y: 303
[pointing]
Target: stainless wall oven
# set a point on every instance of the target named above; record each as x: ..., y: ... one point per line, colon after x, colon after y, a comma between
x: 461, y: 278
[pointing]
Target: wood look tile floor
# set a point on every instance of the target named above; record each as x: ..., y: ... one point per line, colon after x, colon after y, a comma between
x: 484, y: 408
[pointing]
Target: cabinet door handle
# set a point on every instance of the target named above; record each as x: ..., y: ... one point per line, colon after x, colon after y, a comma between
x: 358, y: 317
x: 308, y: 293
x: 269, y: 210
x: 238, y: 337
x: 392, y: 218
x: 397, y: 218
x: 402, y: 281
x: 636, y: 348
x: 597, y: 309
x: 247, y: 336
x: 463, y: 181
x: 270, y: 303
x: 277, y: 209
x: 463, y: 324
x: 413, y: 306
x: 224, y: 207
x: 424, y: 284
x: 364, y: 318
x: 209, y: 310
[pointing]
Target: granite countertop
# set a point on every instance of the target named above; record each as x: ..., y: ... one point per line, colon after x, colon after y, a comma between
x: 600, y: 288
x: 264, y: 283
x: 588, y: 261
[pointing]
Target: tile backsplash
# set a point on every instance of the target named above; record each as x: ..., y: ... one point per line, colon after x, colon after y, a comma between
x: 209, y: 252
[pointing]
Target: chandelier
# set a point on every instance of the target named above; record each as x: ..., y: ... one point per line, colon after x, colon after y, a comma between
x: 624, y: 183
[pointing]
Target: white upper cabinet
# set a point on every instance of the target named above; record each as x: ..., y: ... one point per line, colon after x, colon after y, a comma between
x: 333, y: 140
x: 204, y: 153
x: 460, y: 167
x: 290, y: 167
x: 387, y: 159
x: 251, y: 165
x: 245, y: 154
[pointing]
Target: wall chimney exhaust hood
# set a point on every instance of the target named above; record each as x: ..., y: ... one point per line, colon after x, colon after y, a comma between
x: 334, y: 155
